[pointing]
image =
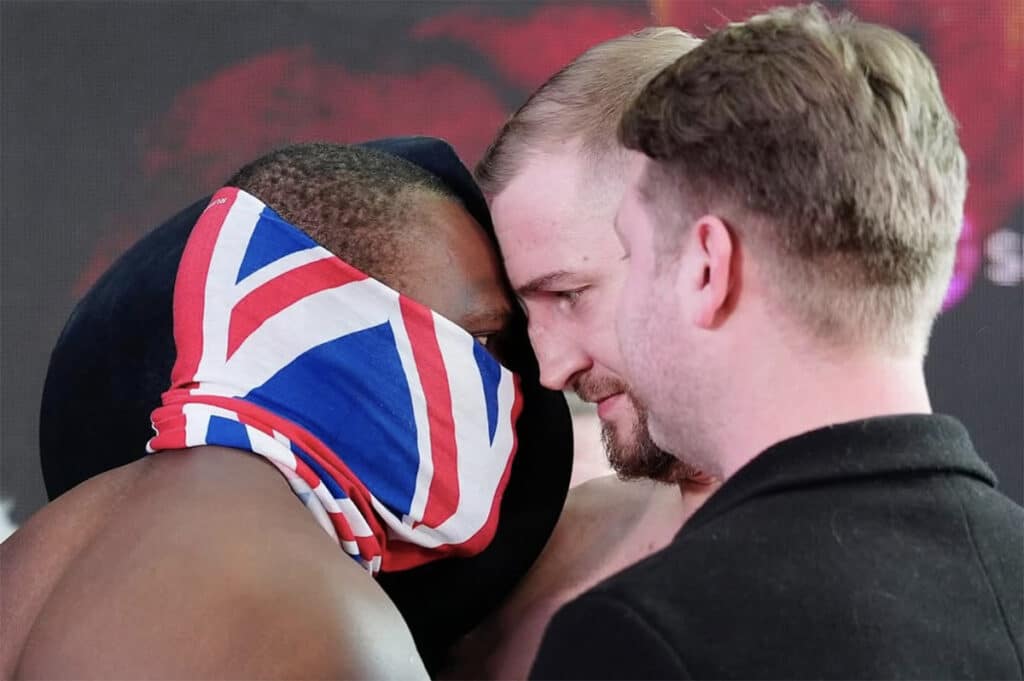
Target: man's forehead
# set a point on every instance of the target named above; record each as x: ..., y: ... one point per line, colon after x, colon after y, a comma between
x: 540, y: 249
x: 569, y: 172
x: 555, y: 216
x: 544, y: 190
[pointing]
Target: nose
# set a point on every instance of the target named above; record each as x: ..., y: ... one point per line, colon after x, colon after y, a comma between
x: 559, y: 356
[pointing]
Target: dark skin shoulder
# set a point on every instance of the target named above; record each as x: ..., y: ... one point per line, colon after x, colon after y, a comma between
x: 34, y: 559
x: 209, y: 567
x: 203, y: 564
x: 607, y: 525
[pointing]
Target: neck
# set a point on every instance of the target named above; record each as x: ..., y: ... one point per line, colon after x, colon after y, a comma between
x: 798, y: 394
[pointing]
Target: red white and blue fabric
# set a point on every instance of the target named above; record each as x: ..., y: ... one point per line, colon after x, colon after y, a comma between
x: 390, y: 422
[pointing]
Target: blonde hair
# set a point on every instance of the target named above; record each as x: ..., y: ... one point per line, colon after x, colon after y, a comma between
x: 828, y: 144
x: 584, y: 101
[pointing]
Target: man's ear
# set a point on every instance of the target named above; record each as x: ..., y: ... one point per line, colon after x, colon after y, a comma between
x: 707, y: 271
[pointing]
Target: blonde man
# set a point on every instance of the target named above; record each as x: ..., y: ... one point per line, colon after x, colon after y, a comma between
x: 790, y: 225
x: 553, y: 178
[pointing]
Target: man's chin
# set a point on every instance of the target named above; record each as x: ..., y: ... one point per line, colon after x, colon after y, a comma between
x: 634, y: 456
x: 637, y: 458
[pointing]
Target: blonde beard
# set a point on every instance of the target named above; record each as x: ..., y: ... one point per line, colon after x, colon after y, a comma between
x: 640, y: 458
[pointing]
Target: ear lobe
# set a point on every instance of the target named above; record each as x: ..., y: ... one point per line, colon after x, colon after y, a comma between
x: 716, y: 250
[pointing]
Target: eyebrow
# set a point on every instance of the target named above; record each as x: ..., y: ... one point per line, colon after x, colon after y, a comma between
x: 543, y: 282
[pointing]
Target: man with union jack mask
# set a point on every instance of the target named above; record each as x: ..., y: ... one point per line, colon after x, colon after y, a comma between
x: 349, y: 431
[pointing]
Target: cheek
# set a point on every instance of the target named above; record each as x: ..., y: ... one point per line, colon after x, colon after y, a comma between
x: 640, y: 316
x: 636, y: 288
x: 629, y: 308
x: 601, y: 310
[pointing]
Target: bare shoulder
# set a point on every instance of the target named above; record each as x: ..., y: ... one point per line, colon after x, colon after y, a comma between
x: 334, y: 619
x: 34, y: 558
x: 602, y: 518
x: 599, y: 532
x: 609, y: 493
x: 212, y: 569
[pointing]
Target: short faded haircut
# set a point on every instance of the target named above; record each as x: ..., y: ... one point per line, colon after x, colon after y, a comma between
x: 364, y: 205
x: 584, y: 101
x: 827, y: 144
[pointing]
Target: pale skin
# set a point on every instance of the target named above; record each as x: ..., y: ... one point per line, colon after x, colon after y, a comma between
x: 755, y: 364
x: 202, y: 563
x: 554, y: 225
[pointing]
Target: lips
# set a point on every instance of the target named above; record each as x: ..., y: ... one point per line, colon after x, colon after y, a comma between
x: 607, y: 404
x: 603, y: 390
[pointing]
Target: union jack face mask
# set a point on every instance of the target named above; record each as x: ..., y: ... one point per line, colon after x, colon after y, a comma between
x: 391, y: 423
